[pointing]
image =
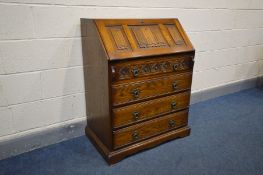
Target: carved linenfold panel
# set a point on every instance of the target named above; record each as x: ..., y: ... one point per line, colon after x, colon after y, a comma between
x: 176, y: 36
x: 148, y: 36
x: 137, y: 38
x: 137, y: 69
x: 119, y: 38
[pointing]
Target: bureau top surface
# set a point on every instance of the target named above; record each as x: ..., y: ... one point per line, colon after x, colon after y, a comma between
x: 129, y: 38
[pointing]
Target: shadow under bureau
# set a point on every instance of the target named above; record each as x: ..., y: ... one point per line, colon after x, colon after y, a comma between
x: 138, y: 77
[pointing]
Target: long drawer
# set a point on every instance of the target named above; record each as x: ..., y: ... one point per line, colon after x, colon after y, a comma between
x: 131, y: 114
x: 151, y: 66
x: 150, y: 128
x: 135, y: 91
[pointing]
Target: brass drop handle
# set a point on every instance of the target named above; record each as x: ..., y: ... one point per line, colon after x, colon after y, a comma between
x: 173, y: 105
x: 174, y: 85
x: 176, y: 66
x: 135, y: 72
x: 135, y: 135
x: 136, y: 93
x: 171, y: 123
x: 136, y: 115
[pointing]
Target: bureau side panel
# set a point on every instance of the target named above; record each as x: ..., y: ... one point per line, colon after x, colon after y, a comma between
x: 96, y: 82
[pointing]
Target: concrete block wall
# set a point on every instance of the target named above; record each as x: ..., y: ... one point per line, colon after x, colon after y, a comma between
x: 41, y: 66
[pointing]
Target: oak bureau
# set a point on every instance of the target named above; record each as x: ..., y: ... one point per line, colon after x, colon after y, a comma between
x: 138, y: 82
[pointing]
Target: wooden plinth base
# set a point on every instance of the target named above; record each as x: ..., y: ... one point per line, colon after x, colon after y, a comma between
x: 115, y: 156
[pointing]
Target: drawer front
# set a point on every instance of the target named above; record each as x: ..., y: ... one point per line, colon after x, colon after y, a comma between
x: 131, y: 92
x: 153, y: 66
x: 140, y: 111
x: 148, y: 129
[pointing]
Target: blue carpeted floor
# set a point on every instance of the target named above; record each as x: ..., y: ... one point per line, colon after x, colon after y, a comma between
x: 226, y: 138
